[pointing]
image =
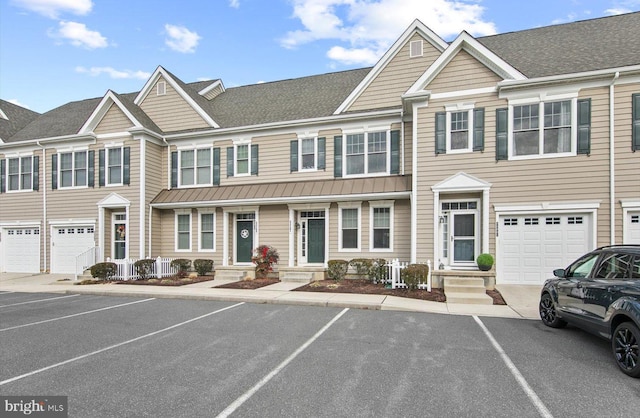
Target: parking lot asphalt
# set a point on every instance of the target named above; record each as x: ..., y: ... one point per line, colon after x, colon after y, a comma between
x: 522, y: 300
x: 144, y: 356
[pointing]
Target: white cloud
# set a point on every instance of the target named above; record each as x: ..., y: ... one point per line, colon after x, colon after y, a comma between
x: 17, y: 103
x: 234, y: 3
x: 79, y: 35
x: 181, y: 39
x: 53, y: 8
x: 371, y: 26
x: 113, y: 73
x: 617, y: 11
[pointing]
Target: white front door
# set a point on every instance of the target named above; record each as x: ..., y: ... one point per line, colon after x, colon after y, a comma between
x: 459, y: 233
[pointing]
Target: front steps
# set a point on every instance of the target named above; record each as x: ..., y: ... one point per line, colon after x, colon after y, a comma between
x: 469, y: 290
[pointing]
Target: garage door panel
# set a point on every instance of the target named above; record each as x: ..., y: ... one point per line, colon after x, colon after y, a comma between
x: 21, y: 250
x: 632, y: 235
x: 67, y: 243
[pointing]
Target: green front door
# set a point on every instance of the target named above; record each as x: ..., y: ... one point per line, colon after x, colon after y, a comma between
x: 244, y: 241
x: 316, y: 241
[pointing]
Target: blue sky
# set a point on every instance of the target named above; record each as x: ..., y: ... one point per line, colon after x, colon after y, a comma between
x: 56, y: 51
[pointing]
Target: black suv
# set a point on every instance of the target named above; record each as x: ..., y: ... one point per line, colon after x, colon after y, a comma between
x: 600, y: 293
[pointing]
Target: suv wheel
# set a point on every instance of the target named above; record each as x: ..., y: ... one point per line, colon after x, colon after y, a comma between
x: 548, y: 312
x: 624, y: 343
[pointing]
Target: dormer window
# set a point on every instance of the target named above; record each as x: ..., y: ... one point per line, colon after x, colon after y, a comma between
x: 161, y: 88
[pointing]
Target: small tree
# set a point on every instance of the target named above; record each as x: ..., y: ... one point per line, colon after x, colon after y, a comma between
x: 104, y: 271
x: 182, y: 265
x: 203, y: 266
x: 337, y: 269
x: 144, y: 268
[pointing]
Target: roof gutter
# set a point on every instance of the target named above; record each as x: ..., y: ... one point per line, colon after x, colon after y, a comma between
x: 63, y: 138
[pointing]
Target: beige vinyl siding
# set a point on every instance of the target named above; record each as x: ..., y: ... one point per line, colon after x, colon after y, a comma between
x: 170, y: 111
x: 463, y: 72
x: 113, y: 121
x: 396, y: 78
x: 577, y: 178
x: 407, y: 158
x: 273, y: 227
x: 154, y: 163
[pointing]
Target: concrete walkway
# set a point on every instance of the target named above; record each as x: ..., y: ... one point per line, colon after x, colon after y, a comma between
x: 522, y: 300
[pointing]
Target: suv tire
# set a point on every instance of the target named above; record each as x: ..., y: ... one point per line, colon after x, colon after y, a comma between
x: 548, y: 313
x: 626, y: 351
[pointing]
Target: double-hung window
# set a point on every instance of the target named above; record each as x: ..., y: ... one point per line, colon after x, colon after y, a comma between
x: 195, y: 167
x: 114, y: 165
x: 544, y: 128
x: 243, y: 159
x: 367, y: 153
x: 308, y: 154
x: 207, y: 224
x: 183, y: 230
x: 73, y: 169
x: 20, y: 173
x: 349, y: 220
x: 381, y: 227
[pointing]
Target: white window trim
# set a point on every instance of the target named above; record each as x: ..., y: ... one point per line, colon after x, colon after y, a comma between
x: 6, y: 177
x: 366, y: 131
x: 175, y: 240
x: 382, y: 204
x: 237, y: 143
x: 540, y: 100
x: 195, y: 167
x: 73, y: 169
x: 456, y: 108
x: 315, y: 153
x: 108, y: 147
x: 208, y: 211
x: 350, y: 205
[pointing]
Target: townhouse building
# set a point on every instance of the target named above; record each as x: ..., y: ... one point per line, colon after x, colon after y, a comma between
x: 522, y: 145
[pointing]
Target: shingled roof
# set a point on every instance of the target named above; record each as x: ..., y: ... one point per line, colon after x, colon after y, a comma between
x: 17, y: 118
x: 588, y: 45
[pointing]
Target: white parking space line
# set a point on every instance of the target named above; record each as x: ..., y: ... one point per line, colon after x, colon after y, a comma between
x: 111, y: 347
x: 5, y: 292
x: 531, y: 394
x: 38, y: 300
x: 248, y: 394
x: 76, y: 314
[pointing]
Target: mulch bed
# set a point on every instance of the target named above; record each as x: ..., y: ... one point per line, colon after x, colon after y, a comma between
x: 167, y: 281
x: 248, y: 284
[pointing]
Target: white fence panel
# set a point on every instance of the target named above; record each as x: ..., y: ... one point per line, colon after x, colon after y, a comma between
x: 395, y: 268
x: 126, y: 269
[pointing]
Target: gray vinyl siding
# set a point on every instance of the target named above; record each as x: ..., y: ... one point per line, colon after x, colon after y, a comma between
x: 170, y: 111
x: 396, y: 78
x: 463, y: 73
x: 113, y: 121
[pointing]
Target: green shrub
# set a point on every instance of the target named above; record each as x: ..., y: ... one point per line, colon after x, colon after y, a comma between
x: 414, y: 274
x: 203, y: 266
x: 362, y: 266
x: 337, y: 269
x: 104, y: 271
x: 144, y: 268
x: 379, y: 272
x: 182, y: 265
x: 485, y: 259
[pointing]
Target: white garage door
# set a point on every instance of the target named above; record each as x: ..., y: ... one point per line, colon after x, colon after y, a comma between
x: 66, y: 244
x: 21, y: 250
x: 633, y: 226
x: 530, y: 247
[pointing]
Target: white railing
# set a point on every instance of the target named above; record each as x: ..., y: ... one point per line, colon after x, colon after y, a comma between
x: 395, y: 268
x: 87, y: 259
x: 126, y: 269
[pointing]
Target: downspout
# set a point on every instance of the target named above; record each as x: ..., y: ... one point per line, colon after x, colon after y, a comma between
x: 150, y: 223
x: 612, y: 173
x: 44, y: 201
x: 402, y: 141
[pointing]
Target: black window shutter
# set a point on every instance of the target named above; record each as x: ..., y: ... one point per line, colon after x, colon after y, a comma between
x: 54, y: 171
x: 293, y: 147
x: 174, y: 169
x: 91, y: 168
x: 502, y: 137
x: 36, y: 173
x: 3, y: 179
x: 229, y: 161
x: 395, y: 152
x: 254, y: 159
x: 478, y: 129
x: 216, y: 166
x: 101, y: 163
x: 322, y: 153
x: 635, y: 129
x: 126, y: 170
x: 584, y: 126
x: 441, y: 130
x: 337, y: 156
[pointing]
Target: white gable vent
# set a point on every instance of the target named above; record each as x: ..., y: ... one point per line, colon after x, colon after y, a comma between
x: 161, y: 88
x: 415, y: 49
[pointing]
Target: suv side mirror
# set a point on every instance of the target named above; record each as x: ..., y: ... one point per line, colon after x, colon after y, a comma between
x: 560, y: 273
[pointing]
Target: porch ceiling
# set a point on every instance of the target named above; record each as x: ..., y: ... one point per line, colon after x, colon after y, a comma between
x: 388, y: 187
